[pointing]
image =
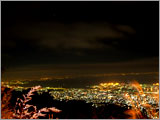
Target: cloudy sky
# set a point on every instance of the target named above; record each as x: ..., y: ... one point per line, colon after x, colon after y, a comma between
x: 79, y: 33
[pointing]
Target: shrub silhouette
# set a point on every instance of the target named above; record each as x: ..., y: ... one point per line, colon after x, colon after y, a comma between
x: 23, y: 110
x: 6, y: 112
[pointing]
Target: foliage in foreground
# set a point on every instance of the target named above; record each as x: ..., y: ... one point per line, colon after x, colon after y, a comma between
x: 23, y: 110
x: 6, y: 112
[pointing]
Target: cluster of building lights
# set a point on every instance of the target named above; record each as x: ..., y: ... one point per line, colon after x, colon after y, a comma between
x: 117, y: 93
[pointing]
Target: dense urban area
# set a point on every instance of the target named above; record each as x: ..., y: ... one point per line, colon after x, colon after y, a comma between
x: 136, y: 96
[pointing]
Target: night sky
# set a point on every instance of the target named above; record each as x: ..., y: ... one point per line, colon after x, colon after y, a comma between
x: 42, y: 39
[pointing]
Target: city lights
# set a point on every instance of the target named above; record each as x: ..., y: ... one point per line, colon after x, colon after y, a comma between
x: 137, y: 96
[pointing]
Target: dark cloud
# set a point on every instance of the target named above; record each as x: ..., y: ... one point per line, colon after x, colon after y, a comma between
x: 68, y: 36
x: 70, y: 32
